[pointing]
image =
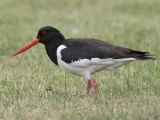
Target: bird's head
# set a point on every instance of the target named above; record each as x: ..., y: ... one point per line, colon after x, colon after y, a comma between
x: 46, y: 35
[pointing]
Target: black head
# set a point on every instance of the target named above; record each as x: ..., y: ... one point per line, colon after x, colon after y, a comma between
x: 49, y: 34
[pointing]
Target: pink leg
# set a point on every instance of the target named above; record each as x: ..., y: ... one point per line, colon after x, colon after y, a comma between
x: 88, y: 87
x: 94, y: 85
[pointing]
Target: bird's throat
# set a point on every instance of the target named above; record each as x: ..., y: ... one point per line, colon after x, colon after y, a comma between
x: 51, y: 50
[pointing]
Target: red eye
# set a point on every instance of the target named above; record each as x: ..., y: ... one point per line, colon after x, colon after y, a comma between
x: 43, y: 33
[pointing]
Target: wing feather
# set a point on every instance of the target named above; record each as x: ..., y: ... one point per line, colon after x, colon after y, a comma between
x: 78, y: 49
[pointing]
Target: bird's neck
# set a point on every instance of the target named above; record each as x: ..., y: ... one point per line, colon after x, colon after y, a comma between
x: 51, y: 50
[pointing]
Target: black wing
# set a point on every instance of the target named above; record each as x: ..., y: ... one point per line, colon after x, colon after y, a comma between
x: 93, y: 48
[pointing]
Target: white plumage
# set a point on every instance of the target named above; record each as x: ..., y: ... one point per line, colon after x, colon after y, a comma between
x: 85, y: 67
x: 84, y: 56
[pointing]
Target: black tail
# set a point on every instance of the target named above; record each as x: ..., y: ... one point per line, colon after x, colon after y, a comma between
x: 142, y: 55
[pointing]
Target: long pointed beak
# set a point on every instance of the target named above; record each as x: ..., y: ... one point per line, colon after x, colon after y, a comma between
x: 26, y: 47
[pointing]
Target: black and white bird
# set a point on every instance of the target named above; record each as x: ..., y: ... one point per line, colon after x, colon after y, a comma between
x: 84, y: 57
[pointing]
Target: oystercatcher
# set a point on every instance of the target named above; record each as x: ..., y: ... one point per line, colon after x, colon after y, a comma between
x: 84, y: 57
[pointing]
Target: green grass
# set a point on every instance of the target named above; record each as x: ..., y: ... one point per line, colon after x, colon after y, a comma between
x: 130, y: 93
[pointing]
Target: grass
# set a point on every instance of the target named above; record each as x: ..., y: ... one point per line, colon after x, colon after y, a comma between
x: 130, y: 93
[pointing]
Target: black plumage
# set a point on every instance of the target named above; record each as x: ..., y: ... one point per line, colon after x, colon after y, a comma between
x: 92, y: 48
x: 86, y: 48
x: 64, y: 51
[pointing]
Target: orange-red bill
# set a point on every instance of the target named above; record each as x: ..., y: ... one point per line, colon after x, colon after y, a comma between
x: 26, y: 47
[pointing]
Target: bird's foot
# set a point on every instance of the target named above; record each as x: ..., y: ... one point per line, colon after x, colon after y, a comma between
x: 88, y: 87
x: 92, y: 83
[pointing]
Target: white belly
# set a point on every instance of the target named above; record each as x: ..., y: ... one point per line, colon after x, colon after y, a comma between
x: 86, y: 67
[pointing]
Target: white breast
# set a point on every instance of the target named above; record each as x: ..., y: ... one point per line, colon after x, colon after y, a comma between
x: 86, y: 67
x: 73, y: 69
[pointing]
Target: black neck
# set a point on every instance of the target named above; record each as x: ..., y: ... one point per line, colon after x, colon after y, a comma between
x: 51, y: 50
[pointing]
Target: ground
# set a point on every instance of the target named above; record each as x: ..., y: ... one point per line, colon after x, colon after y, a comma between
x: 33, y: 88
